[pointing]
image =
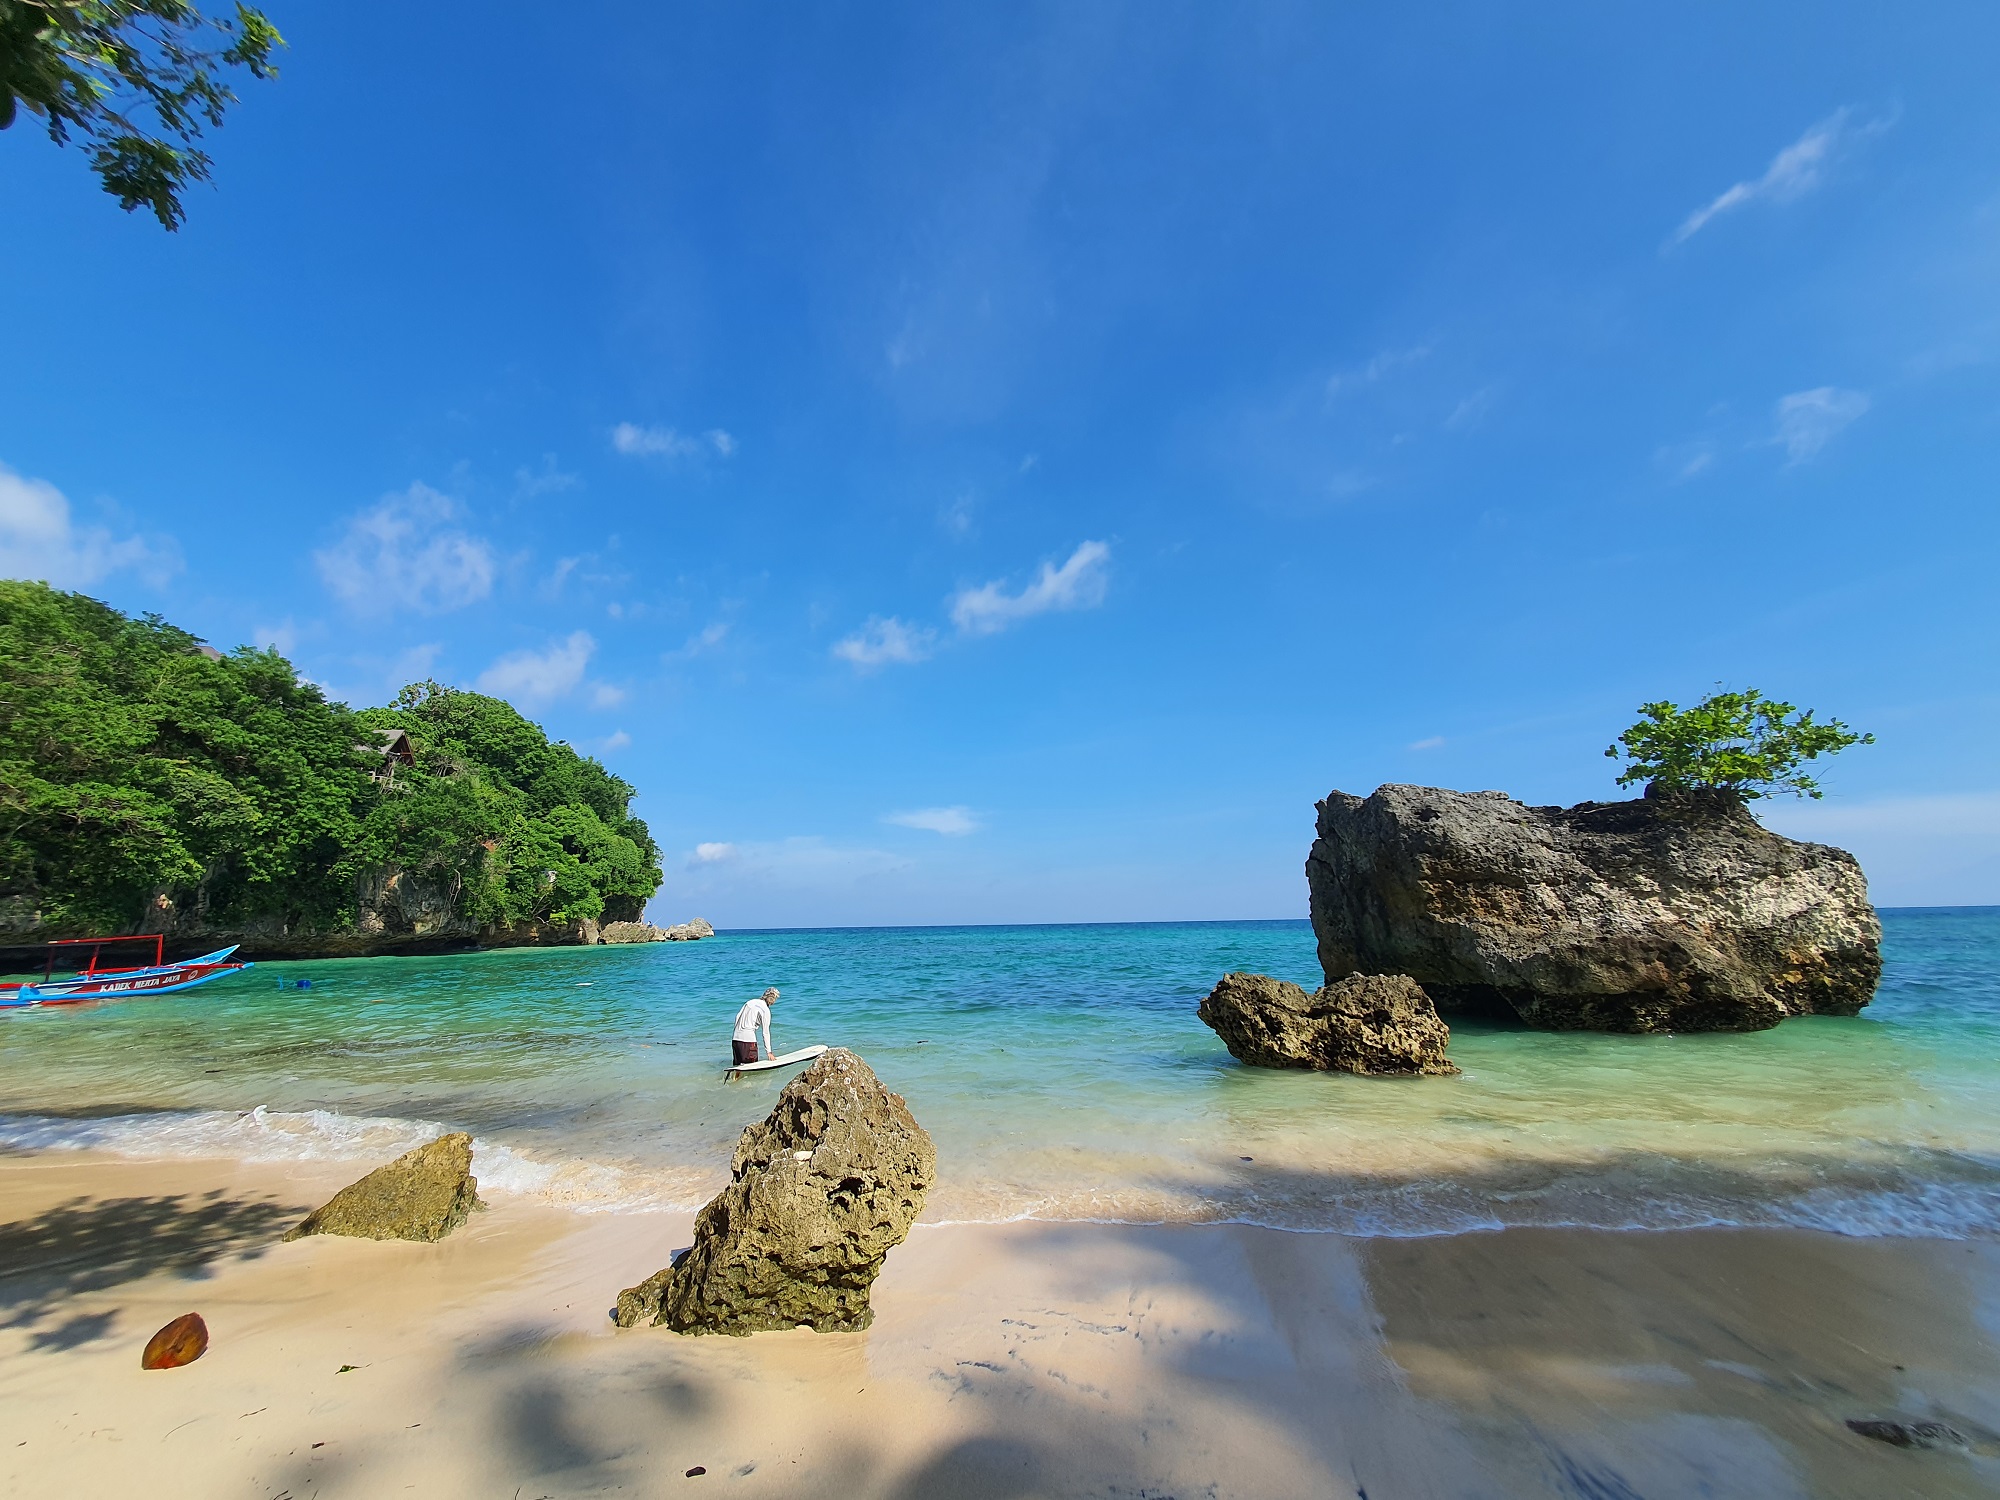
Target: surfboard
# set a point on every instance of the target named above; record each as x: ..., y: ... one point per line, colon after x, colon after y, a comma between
x: 804, y: 1054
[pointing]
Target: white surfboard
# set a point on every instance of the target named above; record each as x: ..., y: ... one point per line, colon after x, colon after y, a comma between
x: 804, y: 1054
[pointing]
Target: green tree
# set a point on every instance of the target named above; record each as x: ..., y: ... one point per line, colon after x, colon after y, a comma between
x: 136, y: 79
x: 1742, y: 744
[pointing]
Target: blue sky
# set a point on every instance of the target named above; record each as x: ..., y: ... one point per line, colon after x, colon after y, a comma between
x: 1004, y: 464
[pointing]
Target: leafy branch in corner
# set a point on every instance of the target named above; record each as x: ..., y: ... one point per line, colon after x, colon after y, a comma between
x: 1742, y: 744
x: 136, y: 79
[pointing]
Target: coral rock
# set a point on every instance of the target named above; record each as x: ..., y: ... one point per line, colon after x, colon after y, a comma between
x: 1366, y: 1023
x: 820, y: 1192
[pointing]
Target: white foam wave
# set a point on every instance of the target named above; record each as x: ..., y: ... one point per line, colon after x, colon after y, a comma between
x: 318, y: 1135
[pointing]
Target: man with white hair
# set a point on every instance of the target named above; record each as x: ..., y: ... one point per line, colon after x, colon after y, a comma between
x: 754, y: 1014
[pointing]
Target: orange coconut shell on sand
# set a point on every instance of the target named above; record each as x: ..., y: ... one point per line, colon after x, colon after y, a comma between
x: 181, y: 1342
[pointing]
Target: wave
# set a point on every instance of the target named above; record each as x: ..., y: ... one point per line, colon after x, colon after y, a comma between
x: 318, y: 1135
x: 1941, y: 1196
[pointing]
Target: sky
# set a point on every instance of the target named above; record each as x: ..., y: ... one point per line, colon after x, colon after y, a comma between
x: 1005, y: 463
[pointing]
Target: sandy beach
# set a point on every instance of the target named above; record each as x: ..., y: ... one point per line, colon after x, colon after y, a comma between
x: 1019, y: 1359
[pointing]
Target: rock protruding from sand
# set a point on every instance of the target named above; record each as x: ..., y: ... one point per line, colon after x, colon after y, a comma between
x: 646, y: 932
x: 1658, y: 914
x: 1366, y: 1023
x: 422, y: 1195
x: 181, y: 1342
x: 820, y: 1193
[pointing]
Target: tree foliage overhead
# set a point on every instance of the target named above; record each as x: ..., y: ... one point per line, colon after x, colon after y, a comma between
x: 137, y: 80
x: 1742, y: 743
x: 135, y: 764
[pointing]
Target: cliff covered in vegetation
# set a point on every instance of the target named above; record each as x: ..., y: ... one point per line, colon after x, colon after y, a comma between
x: 148, y: 784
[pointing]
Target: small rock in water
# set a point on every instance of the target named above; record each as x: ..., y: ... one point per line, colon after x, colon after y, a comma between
x: 1907, y: 1434
x: 181, y: 1342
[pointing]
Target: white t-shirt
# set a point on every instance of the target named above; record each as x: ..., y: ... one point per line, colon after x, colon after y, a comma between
x: 748, y: 1019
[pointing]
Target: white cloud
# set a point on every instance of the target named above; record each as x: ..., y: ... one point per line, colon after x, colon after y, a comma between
x: 604, y: 695
x: 1794, y: 171
x: 950, y: 821
x: 711, y: 854
x: 618, y: 740
x: 39, y: 540
x: 1806, y: 421
x: 405, y: 552
x: 881, y: 641
x: 1435, y: 742
x: 793, y: 862
x: 531, y: 484
x: 1078, y: 584
x: 666, y: 442
x: 533, y: 678
x: 281, y: 638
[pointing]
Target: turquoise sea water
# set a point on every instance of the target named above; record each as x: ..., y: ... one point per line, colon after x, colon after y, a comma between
x: 1063, y: 1074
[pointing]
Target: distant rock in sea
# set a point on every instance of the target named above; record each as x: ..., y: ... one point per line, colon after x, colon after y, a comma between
x: 422, y: 1195
x: 820, y: 1193
x: 646, y: 932
x: 1365, y: 1023
x: 1656, y: 914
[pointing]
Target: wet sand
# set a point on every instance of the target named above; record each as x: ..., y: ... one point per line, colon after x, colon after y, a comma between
x: 1023, y: 1359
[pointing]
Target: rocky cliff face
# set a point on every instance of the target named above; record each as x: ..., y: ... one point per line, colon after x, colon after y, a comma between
x: 1646, y: 915
x: 397, y: 911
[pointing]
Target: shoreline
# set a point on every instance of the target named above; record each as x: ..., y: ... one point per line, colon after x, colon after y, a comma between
x: 1027, y: 1358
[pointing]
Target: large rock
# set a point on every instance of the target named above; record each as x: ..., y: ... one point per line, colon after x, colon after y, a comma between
x: 422, y: 1195
x: 1649, y: 915
x: 1366, y: 1023
x: 820, y: 1192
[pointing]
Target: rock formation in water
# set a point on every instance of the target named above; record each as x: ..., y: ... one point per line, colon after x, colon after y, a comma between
x: 1365, y: 1023
x: 422, y: 1195
x: 1659, y: 914
x: 819, y: 1194
x: 646, y: 932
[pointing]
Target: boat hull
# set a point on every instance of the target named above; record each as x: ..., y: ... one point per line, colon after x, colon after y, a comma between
x: 163, y: 979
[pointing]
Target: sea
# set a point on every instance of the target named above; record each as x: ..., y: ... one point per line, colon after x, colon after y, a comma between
x: 1063, y: 1074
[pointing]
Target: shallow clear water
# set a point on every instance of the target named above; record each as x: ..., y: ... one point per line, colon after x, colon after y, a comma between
x: 1063, y: 1074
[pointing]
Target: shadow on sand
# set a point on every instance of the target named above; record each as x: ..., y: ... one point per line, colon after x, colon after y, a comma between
x: 94, y: 1245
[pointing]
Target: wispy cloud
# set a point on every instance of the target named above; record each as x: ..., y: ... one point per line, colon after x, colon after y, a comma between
x: 884, y: 640
x: 950, y: 821
x: 617, y: 740
x: 407, y: 552
x: 700, y: 643
x: 710, y: 854
x: 532, y: 484
x: 1080, y: 583
x: 1435, y: 742
x: 38, y: 539
x: 1794, y: 171
x: 1387, y: 363
x: 666, y: 442
x: 604, y: 695
x: 1807, y: 421
x: 533, y: 678
x: 809, y: 861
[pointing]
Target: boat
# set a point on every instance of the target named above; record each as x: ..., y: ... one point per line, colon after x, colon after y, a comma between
x: 85, y: 975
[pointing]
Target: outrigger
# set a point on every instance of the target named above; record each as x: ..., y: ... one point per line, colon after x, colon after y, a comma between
x: 95, y: 981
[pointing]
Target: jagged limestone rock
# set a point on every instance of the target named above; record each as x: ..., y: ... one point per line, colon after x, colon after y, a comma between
x: 819, y: 1194
x: 1366, y: 1023
x: 646, y: 932
x: 422, y: 1195
x: 1655, y: 914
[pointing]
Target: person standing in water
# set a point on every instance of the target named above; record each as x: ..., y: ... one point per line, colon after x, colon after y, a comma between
x: 754, y: 1014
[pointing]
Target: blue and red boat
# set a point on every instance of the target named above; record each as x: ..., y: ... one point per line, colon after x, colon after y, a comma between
x: 86, y: 976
